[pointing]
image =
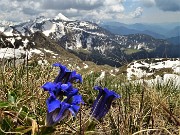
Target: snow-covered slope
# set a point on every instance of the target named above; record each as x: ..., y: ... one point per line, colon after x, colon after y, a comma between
x: 155, y: 71
x: 15, y: 47
x: 35, y: 48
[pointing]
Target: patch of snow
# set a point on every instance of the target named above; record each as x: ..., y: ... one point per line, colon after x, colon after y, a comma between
x: 83, y: 23
x: 78, y: 41
x: 177, y: 69
x: 12, y: 40
x: 78, y: 68
x: 103, y: 48
x: 85, y: 65
x: 101, y: 77
x: 48, y: 28
x: 8, y: 31
x: 2, y: 29
x: 171, y: 79
x: 62, y: 17
x: 138, y: 69
x: 116, y: 70
x: 25, y: 42
x: 18, y: 38
x: 79, y: 29
x: 9, y: 53
x: 35, y: 51
x: 43, y: 62
x: 49, y: 51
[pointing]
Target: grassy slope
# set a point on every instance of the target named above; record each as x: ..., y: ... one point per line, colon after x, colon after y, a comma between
x: 140, y: 110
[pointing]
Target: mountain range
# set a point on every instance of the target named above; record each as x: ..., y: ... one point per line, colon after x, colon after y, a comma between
x: 86, y: 40
x: 161, y: 31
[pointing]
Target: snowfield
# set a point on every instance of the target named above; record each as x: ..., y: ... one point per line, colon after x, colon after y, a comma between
x: 146, y: 71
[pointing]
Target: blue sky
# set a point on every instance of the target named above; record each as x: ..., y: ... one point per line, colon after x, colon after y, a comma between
x: 127, y: 11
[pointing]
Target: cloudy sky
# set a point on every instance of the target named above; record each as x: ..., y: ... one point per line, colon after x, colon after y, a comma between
x: 127, y: 11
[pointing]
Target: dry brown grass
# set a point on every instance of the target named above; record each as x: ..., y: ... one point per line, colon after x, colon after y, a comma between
x: 141, y: 110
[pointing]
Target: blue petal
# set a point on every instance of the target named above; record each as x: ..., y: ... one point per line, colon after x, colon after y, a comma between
x: 111, y: 93
x: 51, y: 116
x: 98, y: 88
x: 49, y: 86
x: 77, y: 99
x: 63, y: 112
x: 66, y: 86
x: 74, y: 109
x: 63, y: 75
x: 76, y: 77
x: 52, y: 104
x: 56, y: 65
x: 62, y: 67
x: 58, y: 114
x: 70, y: 94
x: 68, y: 89
x: 53, y: 88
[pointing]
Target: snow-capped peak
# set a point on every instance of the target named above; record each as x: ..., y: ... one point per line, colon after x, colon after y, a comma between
x: 61, y: 17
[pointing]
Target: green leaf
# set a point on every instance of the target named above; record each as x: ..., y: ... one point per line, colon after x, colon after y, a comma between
x: 23, y: 129
x: 6, y: 124
x: 4, y: 104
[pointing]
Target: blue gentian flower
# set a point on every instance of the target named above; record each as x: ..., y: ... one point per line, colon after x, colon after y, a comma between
x: 59, y: 90
x: 58, y: 110
x: 103, y: 102
x: 65, y: 75
x: 64, y: 98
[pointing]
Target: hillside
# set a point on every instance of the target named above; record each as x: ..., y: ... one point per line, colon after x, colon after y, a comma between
x: 91, y: 42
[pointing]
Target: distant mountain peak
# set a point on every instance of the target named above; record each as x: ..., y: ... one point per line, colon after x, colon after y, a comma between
x: 60, y: 16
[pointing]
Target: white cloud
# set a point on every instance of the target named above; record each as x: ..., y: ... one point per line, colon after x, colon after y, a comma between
x: 137, y: 13
x: 22, y: 10
x: 95, y: 9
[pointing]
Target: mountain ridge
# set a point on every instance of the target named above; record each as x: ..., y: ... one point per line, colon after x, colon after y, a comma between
x: 91, y: 42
